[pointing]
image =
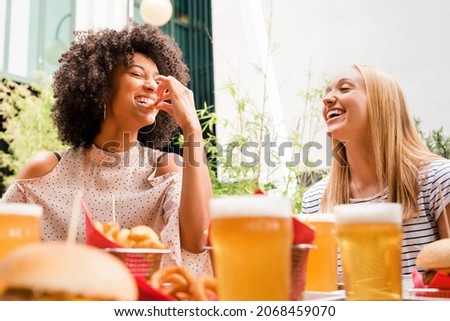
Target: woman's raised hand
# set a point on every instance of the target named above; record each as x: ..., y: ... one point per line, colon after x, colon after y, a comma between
x: 177, y: 100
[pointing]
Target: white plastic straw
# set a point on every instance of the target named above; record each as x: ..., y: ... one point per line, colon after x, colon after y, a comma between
x: 113, y: 209
x: 76, y: 209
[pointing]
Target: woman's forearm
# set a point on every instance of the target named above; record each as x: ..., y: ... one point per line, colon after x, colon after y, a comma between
x: 195, y: 194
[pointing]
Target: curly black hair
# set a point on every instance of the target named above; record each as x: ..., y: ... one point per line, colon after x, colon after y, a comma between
x: 82, y: 83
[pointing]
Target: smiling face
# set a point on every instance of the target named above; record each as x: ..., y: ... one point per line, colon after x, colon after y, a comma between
x: 134, y: 93
x: 345, y: 106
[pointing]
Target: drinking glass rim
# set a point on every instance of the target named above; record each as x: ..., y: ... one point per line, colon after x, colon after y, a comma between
x: 23, y: 209
x: 385, y: 212
x: 294, y: 246
x: 251, y: 206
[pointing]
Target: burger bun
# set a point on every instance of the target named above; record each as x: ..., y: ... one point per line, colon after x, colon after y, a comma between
x: 435, y: 256
x: 67, y: 270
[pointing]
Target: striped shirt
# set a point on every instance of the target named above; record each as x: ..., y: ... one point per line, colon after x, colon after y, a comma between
x: 434, y: 195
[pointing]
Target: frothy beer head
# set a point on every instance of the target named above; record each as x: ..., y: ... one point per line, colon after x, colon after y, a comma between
x: 250, y: 206
x: 21, y: 209
x: 368, y: 213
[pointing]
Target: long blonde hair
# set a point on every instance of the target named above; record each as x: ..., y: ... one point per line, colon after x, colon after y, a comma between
x: 397, y: 147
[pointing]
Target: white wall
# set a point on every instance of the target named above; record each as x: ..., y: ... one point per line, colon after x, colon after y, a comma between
x: 410, y: 39
x: 101, y: 13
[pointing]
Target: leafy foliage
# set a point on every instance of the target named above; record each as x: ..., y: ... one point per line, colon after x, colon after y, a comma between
x: 435, y: 140
x: 27, y: 127
x: 231, y: 170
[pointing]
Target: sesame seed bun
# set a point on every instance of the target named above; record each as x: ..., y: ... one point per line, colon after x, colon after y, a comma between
x: 62, y: 271
x: 435, y: 256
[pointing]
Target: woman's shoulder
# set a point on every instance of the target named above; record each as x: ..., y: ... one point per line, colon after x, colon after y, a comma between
x: 318, y: 187
x: 438, y: 163
x: 436, y: 168
x: 40, y: 165
x: 312, y: 196
x: 167, y: 162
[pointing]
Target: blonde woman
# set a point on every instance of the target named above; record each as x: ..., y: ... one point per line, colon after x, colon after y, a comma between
x: 381, y: 158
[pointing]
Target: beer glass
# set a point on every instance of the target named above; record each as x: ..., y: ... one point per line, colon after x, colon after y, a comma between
x: 251, y: 237
x: 321, y: 268
x: 370, y: 242
x: 19, y: 225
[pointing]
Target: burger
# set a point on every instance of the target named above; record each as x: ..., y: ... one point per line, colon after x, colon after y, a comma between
x: 64, y: 271
x: 434, y: 258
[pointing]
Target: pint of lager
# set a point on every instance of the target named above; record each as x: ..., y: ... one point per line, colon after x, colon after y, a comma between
x: 251, y: 237
x: 370, y: 241
x: 19, y: 225
x: 321, y: 270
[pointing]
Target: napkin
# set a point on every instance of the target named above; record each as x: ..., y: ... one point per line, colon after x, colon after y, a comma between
x: 93, y: 236
x: 303, y: 233
x: 148, y: 293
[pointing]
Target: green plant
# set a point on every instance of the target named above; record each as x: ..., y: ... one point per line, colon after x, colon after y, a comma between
x: 236, y: 165
x: 27, y: 127
x: 435, y: 140
x: 239, y: 173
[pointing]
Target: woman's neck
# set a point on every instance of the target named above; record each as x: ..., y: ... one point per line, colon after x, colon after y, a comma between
x: 363, y: 177
x: 115, y: 140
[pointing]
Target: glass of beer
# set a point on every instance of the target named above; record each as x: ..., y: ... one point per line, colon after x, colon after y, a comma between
x: 19, y: 225
x: 321, y: 268
x: 370, y: 242
x: 251, y: 237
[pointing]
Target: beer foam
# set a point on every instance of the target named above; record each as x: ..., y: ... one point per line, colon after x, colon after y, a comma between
x: 250, y: 205
x: 21, y: 209
x: 320, y: 217
x: 368, y: 213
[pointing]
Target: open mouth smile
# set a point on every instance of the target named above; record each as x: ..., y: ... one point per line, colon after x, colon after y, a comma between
x: 145, y: 102
x: 334, y: 113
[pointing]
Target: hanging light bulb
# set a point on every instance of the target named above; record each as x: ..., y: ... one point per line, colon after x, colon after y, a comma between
x: 156, y: 12
x: 54, y: 48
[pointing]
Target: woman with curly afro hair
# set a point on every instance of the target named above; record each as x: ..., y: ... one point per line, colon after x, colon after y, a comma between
x: 119, y: 98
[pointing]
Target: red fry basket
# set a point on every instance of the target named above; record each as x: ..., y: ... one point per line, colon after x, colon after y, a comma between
x: 430, y: 293
x: 142, y: 262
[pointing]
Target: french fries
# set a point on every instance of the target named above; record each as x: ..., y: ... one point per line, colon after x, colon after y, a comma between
x: 140, y: 236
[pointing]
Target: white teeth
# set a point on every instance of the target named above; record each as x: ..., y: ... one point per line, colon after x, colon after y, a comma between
x: 144, y: 101
x: 334, y: 112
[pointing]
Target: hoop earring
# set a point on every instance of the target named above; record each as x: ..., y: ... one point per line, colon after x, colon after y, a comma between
x: 148, y: 131
x: 104, y: 111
